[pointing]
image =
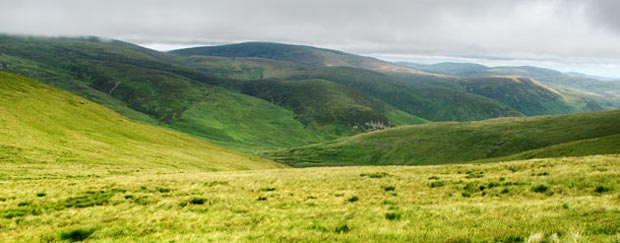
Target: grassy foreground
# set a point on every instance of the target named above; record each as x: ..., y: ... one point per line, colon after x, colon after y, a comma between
x: 543, y: 200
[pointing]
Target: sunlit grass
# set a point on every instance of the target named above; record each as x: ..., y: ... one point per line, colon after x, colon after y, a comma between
x: 504, y: 204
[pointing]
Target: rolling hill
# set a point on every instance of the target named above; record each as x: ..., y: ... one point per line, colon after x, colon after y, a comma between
x: 525, y: 95
x: 330, y: 106
x: 256, y: 96
x: 43, y: 126
x: 155, y: 88
x: 454, y: 142
x: 436, y: 98
x: 431, y: 98
x: 300, y: 54
x: 586, y: 93
x: 195, y: 95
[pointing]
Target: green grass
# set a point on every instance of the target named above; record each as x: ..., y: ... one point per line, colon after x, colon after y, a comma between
x: 51, y: 129
x: 580, y: 204
x: 599, y: 145
x: 194, y: 95
x: 329, y: 107
x: 452, y: 142
x: 581, y: 93
x: 156, y: 88
x: 431, y: 98
x: 244, y: 122
x: 306, y: 55
x: 527, y: 96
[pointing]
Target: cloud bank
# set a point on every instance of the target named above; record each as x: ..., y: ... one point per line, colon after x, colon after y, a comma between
x: 564, y: 33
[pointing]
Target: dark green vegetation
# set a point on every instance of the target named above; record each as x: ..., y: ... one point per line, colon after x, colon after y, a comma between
x: 44, y: 127
x: 76, y: 235
x: 452, y: 142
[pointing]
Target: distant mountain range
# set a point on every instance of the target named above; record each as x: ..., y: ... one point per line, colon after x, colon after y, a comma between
x: 605, y: 92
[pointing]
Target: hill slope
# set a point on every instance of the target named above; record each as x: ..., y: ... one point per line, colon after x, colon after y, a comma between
x: 307, y: 55
x: 156, y: 88
x: 452, y: 142
x: 588, y: 94
x: 436, y: 98
x: 432, y: 98
x: 43, y: 125
x: 528, y: 96
x: 327, y: 106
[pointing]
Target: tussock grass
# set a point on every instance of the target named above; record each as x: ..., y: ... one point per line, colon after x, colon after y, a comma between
x: 311, y: 205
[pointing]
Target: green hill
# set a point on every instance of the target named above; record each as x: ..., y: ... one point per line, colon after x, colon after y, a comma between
x: 156, y: 88
x: 197, y: 94
x: 592, y: 146
x: 584, y: 93
x: 300, y: 54
x: 266, y: 95
x: 528, y: 96
x: 432, y: 98
x: 450, y: 68
x: 453, y: 142
x: 245, y: 68
x: 43, y: 126
x: 329, y: 107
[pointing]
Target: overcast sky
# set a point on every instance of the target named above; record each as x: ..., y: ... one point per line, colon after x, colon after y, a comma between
x: 569, y: 35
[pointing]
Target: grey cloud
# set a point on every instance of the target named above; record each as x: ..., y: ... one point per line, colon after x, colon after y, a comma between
x: 528, y: 29
x: 605, y: 13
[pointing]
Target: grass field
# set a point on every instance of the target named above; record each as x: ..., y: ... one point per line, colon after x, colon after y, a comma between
x: 543, y: 200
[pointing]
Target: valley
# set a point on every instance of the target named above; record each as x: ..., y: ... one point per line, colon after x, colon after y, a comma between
x: 107, y: 141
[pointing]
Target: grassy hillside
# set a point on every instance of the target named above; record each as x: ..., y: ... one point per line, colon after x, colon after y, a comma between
x: 183, y: 93
x: 245, y: 68
x: 543, y: 200
x: 528, y: 96
x: 154, y: 87
x: 450, y: 68
x: 307, y: 55
x: 245, y: 123
x: 43, y: 127
x: 588, y: 94
x: 584, y: 147
x: 432, y: 98
x: 330, y: 107
x: 196, y: 94
x: 451, y: 142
